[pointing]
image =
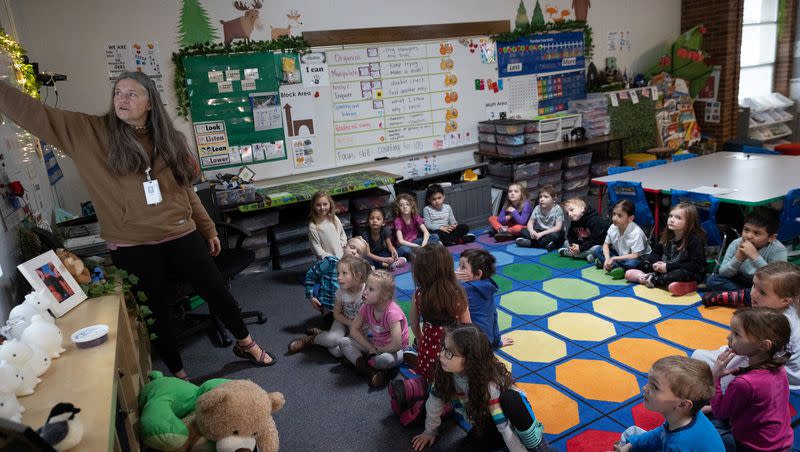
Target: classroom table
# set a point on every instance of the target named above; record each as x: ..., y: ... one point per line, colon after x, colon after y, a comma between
x: 744, y: 179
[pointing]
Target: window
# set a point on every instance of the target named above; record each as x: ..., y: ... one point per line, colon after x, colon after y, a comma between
x: 759, y: 40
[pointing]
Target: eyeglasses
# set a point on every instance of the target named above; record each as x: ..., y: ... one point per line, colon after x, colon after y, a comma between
x: 447, y: 353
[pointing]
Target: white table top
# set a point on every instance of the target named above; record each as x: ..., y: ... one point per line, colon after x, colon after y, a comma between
x: 752, y: 179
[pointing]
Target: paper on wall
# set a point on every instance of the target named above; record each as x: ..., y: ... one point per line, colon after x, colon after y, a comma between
x: 132, y: 56
x: 266, y: 111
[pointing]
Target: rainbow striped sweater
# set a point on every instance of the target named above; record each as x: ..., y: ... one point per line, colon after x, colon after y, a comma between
x: 515, y: 440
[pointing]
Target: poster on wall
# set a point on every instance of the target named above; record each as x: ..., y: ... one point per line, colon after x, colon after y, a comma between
x: 212, y: 143
x: 540, y: 53
x: 708, y: 93
x: 135, y: 56
x: 298, y: 105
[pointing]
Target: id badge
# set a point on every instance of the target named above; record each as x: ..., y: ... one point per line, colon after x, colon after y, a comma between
x: 152, y: 193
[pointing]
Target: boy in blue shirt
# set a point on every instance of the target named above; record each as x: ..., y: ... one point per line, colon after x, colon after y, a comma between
x: 677, y: 387
x: 475, y: 270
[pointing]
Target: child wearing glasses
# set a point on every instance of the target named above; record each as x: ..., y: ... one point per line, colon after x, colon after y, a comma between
x: 481, y: 389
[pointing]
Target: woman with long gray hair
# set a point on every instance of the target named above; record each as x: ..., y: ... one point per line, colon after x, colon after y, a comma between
x: 139, y: 170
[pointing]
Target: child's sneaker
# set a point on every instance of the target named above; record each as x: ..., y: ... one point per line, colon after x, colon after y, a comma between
x: 590, y: 258
x: 410, y: 358
x: 302, y: 343
x: 563, y: 252
x: 678, y: 289
x: 597, y: 264
x: 377, y: 378
x: 523, y: 242
x: 550, y: 246
x: 468, y: 238
x: 617, y: 273
x: 503, y: 236
x: 399, y: 262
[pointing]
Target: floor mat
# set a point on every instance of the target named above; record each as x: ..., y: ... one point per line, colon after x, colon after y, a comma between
x: 584, y: 343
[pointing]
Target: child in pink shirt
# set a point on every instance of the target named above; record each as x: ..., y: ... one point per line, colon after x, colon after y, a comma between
x: 753, y: 413
x: 387, y: 327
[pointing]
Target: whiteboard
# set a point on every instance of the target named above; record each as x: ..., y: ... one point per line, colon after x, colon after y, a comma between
x: 387, y: 101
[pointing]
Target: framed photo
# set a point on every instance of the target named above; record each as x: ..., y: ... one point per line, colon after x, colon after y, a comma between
x: 46, y: 271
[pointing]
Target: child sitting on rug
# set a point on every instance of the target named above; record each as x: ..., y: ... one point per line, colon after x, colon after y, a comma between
x: 382, y: 252
x: 352, y: 272
x: 480, y: 388
x: 625, y: 242
x: 325, y: 232
x: 678, y: 261
x: 545, y: 229
x: 475, y: 271
x: 586, y: 229
x: 677, y: 387
x: 409, y: 228
x: 757, y: 247
x: 386, y: 326
x: 321, y: 279
x: 753, y: 413
x: 439, y: 218
x: 514, y: 215
x: 775, y: 286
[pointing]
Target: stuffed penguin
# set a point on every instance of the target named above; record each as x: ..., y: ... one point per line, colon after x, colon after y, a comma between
x: 63, y: 429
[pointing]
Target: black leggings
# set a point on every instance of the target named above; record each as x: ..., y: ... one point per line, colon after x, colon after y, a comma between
x: 186, y: 259
x: 452, y: 238
x: 556, y: 237
x: 664, y: 279
x: 519, y: 416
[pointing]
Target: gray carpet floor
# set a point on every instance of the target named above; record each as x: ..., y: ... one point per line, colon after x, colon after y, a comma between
x: 328, y: 406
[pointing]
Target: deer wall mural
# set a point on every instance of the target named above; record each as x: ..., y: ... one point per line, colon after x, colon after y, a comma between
x: 293, y: 16
x: 242, y: 27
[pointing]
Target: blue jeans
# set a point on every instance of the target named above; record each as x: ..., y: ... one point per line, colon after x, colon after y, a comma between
x: 408, y: 251
x: 719, y: 283
x: 627, y: 264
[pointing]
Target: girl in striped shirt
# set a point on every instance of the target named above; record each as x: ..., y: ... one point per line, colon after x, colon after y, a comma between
x: 481, y: 389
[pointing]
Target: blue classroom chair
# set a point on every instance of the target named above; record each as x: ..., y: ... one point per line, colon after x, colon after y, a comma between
x: 617, y: 191
x: 707, y: 206
x: 790, y: 217
x: 684, y: 156
x: 619, y: 169
x: 650, y: 164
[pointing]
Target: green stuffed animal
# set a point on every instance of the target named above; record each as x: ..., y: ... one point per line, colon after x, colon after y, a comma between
x: 163, y: 403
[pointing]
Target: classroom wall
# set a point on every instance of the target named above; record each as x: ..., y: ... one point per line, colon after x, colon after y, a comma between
x: 69, y: 38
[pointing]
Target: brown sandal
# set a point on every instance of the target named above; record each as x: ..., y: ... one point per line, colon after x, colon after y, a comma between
x: 241, y: 352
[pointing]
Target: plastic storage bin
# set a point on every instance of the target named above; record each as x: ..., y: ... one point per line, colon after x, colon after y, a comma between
x: 486, y: 127
x: 601, y: 168
x: 550, y: 178
x: 633, y: 159
x: 549, y: 165
x: 510, y: 140
x: 487, y: 138
x: 522, y: 149
x: 487, y: 147
x: 581, y: 159
x: 379, y: 199
x: 575, y: 184
x: 512, y: 171
x: 580, y: 193
x: 574, y: 173
x: 510, y: 126
x: 531, y: 182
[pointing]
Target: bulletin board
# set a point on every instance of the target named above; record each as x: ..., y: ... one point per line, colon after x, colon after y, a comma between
x: 235, y: 107
x: 363, y: 102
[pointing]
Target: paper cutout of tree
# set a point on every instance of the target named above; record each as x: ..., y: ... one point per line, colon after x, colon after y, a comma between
x: 194, y: 26
x: 537, y: 20
x: 522, y: 16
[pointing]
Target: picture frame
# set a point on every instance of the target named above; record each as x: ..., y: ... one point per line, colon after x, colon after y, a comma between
x: 46, y: 272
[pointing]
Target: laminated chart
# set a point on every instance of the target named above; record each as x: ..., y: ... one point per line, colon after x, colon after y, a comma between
x: 395, y: 100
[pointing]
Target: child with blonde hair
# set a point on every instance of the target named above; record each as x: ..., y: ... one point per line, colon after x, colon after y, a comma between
x: 753, y: 412
x: 325, y: 232
x: 586, y: 229
x: 678, y: 260
x: 321, y: 279
x: 513, y: 216
x: 677, y: 387
x: 381, y: 348
x: 410, y: 231
x: 352, y: 273
x: 775, y: 286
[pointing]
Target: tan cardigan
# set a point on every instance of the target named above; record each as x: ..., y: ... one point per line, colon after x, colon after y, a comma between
x: 119, y: 201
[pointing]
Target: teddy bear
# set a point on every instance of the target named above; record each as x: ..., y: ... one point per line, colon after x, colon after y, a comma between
x: 75, y: 266
x: 236, y: 416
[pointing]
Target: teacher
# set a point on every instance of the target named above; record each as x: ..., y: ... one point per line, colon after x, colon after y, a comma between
x: 139, y: 170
